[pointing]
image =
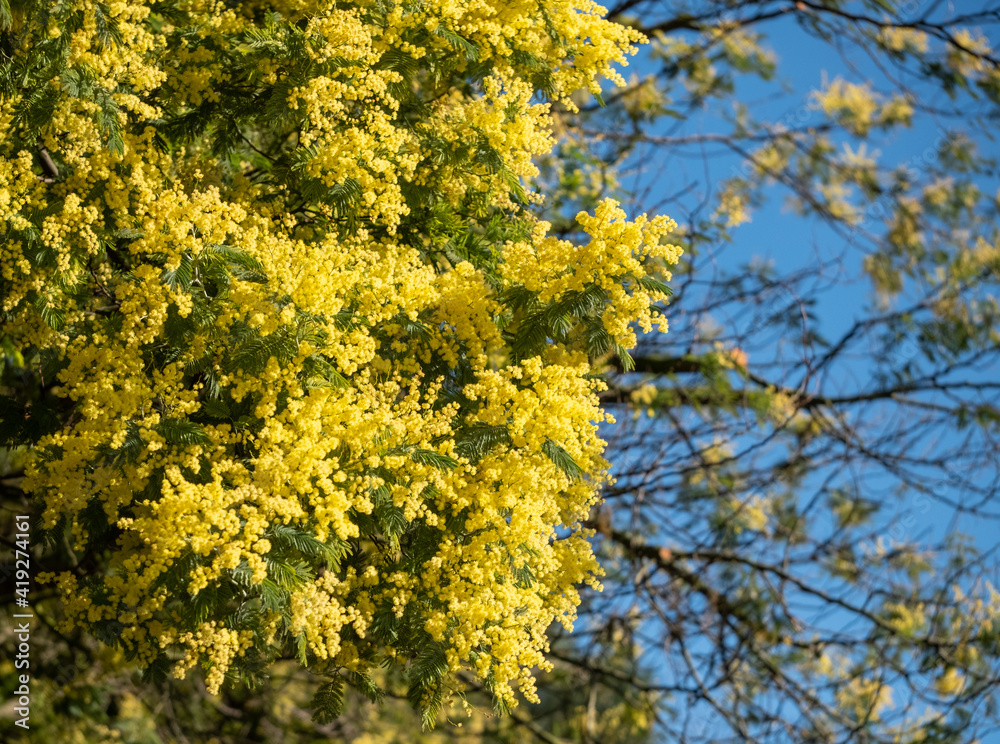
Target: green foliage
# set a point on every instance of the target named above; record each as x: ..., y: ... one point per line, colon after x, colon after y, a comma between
x: 329, y: 700
x: 785, y: 458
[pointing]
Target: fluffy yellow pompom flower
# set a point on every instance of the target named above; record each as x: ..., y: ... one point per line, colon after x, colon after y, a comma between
x: 314, y: 379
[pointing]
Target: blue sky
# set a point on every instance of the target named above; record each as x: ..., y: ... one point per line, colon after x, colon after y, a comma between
x: 787, y: 240
x: 790, y: 241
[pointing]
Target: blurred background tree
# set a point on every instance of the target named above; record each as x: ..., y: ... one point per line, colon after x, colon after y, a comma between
x: 804, y: 526
x: 801, y: 542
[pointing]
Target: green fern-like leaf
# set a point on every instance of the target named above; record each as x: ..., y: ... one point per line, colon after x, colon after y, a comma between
x: 106, y: 26
x: 460, y: 43
x: 157, y: 670
x: 344, y: 197
x: 240, y: 263
x: 364, y: 684
x: 272, y: 597
x: 288, y: 575
x: 425, y: 675
x: 178, y: 431
x: 562, y: 459
x: 436, y: 459
x: 180, y: 278
x: 524, y: 577
x: 328, y: 701
x: 598, y: 340
x: 385, y: 625
x: 253, y: 351
x: 302, y: 649
x: 316, y: 368
x: 476, y: 441
x: 216, y: 409
x: 54, y: 317
x: 391, y: 522
x: 651, y: 284
x: 430, y: 709
x: 285, y: 537
x: 628, y: 363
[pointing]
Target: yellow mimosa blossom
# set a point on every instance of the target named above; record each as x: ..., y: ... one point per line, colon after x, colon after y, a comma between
x: 325, y: 383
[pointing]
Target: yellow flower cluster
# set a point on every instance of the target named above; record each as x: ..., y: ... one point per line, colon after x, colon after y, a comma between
x: 292, y: 388
x: 751, y: 513
x: 733, y: 206
x: 218, y: 646
x: 859, y: 108
x: 899, y: 39
x: 864, y: 699
x: 616, y: 249
x: 968, y: 53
